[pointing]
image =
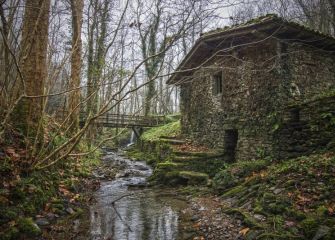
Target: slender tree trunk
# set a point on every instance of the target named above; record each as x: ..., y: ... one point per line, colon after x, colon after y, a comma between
x: 332, y: 14
x: 96, y: 59
x: 34, y: 43
x: 5, y: 72
x: 90, y: 57
x: 74, y: 98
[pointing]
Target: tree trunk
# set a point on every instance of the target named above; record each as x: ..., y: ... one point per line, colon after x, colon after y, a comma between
x: 34, y: 44
x: 74, y: 98
x: 332, y: 13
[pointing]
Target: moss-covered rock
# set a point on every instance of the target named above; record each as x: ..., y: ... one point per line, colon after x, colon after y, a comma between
x: 235, y: 173
x: 244, y: 216
x: 309, y: 226
x: 28, y: 227
x: 167, y: 166
x: 295, y: 214
x: 8, y: 214
x: 235, y: 191
x: 194, y: 178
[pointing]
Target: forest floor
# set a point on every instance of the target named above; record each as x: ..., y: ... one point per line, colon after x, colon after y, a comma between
x: 293, y: 199
x: 208, y: 220
x: 262, y: 199
x: 258, y: 199
x: 33, y: 200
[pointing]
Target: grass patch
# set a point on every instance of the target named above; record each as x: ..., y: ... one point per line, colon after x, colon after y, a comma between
x: 168, y: 130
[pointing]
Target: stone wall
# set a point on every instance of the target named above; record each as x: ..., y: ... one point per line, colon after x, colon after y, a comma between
x: 258, y: 81
x: 305, y: 128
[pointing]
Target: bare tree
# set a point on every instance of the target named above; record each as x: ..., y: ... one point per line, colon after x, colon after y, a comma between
x: 74, y: 98
x: 28, y: 115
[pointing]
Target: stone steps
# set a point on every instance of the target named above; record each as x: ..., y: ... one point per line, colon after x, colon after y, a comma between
x: 175, y: 174
x: 172, y: 141
x: 198, y: 154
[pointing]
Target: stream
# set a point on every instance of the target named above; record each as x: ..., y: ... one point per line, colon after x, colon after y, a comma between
x: 125, y: 209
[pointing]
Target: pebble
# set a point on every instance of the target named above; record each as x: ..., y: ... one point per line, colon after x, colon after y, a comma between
x: 51, y: 216
x: 42, y: 222
x: 277, y: 191
x: 70, y: 211
x: 259, y: 217
x: 212, y: 223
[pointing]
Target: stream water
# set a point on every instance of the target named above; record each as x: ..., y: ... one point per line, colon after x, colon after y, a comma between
x: 127, y: 210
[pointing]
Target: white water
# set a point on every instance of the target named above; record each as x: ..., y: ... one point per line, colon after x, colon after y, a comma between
x: 132, y: 139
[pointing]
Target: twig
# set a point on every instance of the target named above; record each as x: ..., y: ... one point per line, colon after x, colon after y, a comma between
x: 118, y: 214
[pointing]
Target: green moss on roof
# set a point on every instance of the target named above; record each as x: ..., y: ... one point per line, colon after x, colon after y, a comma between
x: 261, y: 19
x: 249, y: 22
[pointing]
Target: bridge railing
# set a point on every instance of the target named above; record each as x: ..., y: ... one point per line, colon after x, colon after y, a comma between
x: 122, y: 120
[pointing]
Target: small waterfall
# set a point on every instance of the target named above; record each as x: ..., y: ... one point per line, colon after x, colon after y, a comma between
x: 132, y: 139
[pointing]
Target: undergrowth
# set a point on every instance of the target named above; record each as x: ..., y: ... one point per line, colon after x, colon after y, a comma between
x: 24, y: 193
x: 295, y: 198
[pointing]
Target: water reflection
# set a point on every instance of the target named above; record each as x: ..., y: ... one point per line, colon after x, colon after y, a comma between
x: 142, y: 214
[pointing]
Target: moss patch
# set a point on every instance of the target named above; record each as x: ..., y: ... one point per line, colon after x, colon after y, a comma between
x: 295, y: 196
x: 28, y: 227
x: 168, y: 130
x: 194, y: 178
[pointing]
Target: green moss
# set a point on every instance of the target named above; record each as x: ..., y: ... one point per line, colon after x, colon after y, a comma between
x: 296, y: 214
x: 28, y: 227
x: 172, y: 117
x: 322, y: 211
x: 244, y: 216
x: 278, y: 220
x: 151, y: 157
x: 309, y: 226
x: 295, y: 178
x: 59, y: 206
x: 29, y: 208
x: 167, y: 166
x: 8, y: 214
x: 11, y: 233
x: 235, y: 190
x: 173, y: 178
x: 194, y: 178
x: 18, y: 193
x: 168, y: 130
x: 5, y: 166
x: 235, y: 173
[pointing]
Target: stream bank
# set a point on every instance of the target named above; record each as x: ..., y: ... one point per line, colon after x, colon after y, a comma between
x: 125, y: 207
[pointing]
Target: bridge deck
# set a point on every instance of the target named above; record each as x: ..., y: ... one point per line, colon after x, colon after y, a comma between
x: 115, y: 120
x: 119, y: 120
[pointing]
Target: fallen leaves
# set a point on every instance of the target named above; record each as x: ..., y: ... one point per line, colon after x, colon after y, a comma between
x: 303, y: 200
x: 10, y: 151
x: 244, y: 231
x: 191, y: 147
x: 199, y: 238
x: 62, y: 189
x: 197, y: 225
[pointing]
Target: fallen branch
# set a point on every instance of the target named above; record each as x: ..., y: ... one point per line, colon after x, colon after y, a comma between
x: 118, y: 214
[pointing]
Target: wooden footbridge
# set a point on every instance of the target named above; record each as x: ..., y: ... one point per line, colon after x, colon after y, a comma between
x: 112, y: 120
x: 125, y: 121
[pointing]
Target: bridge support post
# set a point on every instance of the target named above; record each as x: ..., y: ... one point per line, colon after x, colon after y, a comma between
x: 138, y: 131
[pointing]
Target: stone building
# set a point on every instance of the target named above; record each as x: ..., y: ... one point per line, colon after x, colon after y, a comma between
x: 259, y: 89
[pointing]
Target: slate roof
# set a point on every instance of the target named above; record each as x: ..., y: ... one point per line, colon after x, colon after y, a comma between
x: 265, y: 26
